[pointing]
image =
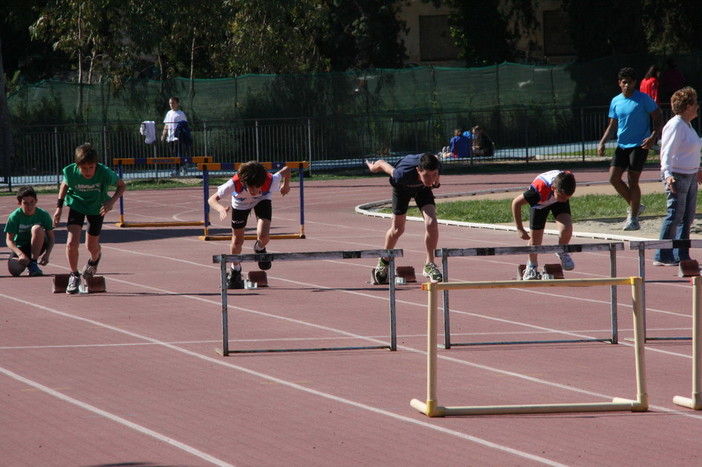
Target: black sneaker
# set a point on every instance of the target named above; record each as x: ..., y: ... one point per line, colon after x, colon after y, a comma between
x: 262, y: 265
x: 234, y: 280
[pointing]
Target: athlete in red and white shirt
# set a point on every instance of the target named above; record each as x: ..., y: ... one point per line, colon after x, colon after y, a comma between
x: 549, y: 192
x: 251, y: 188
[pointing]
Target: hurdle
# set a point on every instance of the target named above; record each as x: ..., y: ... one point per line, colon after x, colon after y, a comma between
x: 206, y: 167
x: 695, y: 401
x: 306, y: 256
x: 644, y: 245
x: 430, y: 406
x: 122, y: 161
x: 446, y: 253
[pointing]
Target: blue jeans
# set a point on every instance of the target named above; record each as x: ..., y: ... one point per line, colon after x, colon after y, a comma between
x: 681, y: 213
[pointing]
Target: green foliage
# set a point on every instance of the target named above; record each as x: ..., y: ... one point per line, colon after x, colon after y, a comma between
x: 585, y: 207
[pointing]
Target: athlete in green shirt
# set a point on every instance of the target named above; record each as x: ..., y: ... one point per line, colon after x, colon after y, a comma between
x: 29, y: 234
x: 85, y: 191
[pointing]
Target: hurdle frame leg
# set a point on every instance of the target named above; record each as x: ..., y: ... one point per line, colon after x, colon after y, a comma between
x: 695, y: 401
x: 225, y: 307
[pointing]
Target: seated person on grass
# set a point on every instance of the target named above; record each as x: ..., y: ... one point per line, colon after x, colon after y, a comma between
x: 549, y: 192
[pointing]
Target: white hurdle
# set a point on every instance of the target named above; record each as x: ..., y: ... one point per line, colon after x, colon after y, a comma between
x: 695, y: 402
x: 642, y: 246
x: 306, y: 256
x: 430, y: 406
x: 446, y: 253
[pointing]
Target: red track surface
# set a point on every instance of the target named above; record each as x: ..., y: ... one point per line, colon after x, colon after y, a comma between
x: 132, y: 377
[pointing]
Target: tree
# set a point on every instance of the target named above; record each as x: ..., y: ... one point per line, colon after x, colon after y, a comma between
x: 671, y: 27
x: 480, y: 31
x: 605, y: 27
x: 6, y: 146
x: 363, y: 34
x: 269, y: 36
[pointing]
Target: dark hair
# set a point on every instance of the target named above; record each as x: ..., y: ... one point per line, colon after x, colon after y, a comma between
x: 26, y: 191
x: 653, y: 70
x: 565, y: 183
x: 175, y: 99
x: 428, y: 161
x: 86, y: 154
x: 252, y: 174
x: 627, y: 72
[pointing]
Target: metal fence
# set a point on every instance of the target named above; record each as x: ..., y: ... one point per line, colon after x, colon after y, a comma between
x: 520, y: 135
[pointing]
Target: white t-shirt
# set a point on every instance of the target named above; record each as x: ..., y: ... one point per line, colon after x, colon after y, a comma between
x: 243, y: 200
x: 680, y: 148
x: 171, y: 120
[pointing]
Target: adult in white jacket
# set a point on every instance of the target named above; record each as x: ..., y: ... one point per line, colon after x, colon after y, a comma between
x: 680, y: 172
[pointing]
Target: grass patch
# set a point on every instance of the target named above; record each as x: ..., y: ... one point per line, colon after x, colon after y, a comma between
x: 587, y: 207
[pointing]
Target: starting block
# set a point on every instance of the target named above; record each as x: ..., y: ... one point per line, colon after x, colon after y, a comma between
x: 96, y: 284
x: 406, y: 272
x: 551, y: 271
x: 258, y: 277
x: 688, y: 268
x: 403, y: 274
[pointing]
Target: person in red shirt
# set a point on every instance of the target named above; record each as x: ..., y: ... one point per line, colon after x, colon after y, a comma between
x: 649, y: 84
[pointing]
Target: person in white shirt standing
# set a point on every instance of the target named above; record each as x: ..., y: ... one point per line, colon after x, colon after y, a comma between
x: 680, y: 172
x: 170, y: 123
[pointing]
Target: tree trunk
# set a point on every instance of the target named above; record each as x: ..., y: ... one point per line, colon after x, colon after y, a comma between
x: 6, y: 146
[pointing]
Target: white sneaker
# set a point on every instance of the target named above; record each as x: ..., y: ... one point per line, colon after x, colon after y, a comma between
x: 530, y: 274
x: 566, y: 261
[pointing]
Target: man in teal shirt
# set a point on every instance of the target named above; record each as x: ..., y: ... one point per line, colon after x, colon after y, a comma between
x: 630, y: 113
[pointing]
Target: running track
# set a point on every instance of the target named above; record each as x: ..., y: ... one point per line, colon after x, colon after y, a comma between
x: 131, y: 377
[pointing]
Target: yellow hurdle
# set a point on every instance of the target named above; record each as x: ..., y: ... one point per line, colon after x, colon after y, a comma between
x: 430, y: 406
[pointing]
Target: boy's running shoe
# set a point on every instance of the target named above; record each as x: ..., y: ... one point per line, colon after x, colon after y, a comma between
x: 90, y: 269
x: 262, y: 265
x: 566, y: 261
x: 234, y: 280
x: 531, y: 273
x: 381, y: 271
x: 34, y: 270
x: 432, y: 272
x: 73, y: 284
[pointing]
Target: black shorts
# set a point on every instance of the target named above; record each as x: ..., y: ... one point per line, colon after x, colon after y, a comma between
x: 630, y: 158
x: 94, y: 221
x: 401, y: 197
x: 263, y: 210
x: 538, y: 217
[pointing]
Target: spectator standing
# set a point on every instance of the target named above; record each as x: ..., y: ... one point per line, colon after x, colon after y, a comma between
x: 650, y: 84
x: 680, y: 172
x: 630, y: 114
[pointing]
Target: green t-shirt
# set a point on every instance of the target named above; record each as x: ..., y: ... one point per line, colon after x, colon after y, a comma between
x: 20, y: 224
x: 86, y: 195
